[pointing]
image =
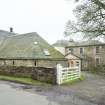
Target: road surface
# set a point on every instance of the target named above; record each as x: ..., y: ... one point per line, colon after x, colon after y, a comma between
x: 91, y: 91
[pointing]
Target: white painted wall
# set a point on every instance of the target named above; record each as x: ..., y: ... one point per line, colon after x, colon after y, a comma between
x: 70, y: 56
x: 60, y: 49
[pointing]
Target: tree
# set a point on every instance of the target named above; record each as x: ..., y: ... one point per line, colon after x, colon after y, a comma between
x: 100, y: 3
x: 90, y: 19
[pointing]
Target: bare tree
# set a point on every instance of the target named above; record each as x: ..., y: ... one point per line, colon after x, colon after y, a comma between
x: 90, y: 19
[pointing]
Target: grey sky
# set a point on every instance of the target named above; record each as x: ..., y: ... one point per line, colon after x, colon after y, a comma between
x: 46, y: 17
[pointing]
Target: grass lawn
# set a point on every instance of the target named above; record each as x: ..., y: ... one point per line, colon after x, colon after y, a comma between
x: 21, y: 80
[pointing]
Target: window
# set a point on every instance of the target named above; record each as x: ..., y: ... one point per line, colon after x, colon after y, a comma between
x: 13, y: 62
x: 97, y: 49
x: 97, y: 61
x: 35, y: 63
x: 72, y: 64
x: 46, y: 52
x: 71, y: 50
x: 81, y: 50
x: 77, y: 63
x: 103, y: 47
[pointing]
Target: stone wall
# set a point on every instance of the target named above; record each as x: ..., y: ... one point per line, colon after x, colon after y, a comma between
x: 89, y: 56
x: 42, y: 70
x: 16, y: 71
x: 33, y: 63
x: 45, y: 74
x: 26, y: 63
x: 39, y: 73
x: 51, y: 63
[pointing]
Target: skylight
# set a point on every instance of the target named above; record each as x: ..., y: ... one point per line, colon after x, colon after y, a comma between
x: 46, y: 52
x: 35, y: 43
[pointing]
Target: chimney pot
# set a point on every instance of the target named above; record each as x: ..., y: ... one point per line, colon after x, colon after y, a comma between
x: 11, y: 29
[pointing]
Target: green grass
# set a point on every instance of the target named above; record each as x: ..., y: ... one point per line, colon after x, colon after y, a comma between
x: 74, y: 81
x: 22, y: 80
x: 30, y: 81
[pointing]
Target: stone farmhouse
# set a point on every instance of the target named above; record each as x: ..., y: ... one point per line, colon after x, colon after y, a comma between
x: 91, y: 53
x: 29, y: 50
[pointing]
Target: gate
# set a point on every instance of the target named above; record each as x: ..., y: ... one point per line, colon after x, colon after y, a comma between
x: 67, y: 74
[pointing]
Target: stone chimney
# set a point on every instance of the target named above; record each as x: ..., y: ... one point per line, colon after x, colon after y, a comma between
x: 11, y: 29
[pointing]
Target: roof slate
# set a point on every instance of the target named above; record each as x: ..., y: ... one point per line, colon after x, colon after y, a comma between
x: 61, y: 43
x: 23, y: 46
x: 86, y: 43
x: 4, y: 35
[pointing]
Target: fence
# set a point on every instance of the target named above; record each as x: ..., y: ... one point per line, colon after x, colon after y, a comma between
x: 67, y: 74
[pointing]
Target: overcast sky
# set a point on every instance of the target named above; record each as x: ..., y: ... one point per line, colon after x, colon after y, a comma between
x: 46, y: 17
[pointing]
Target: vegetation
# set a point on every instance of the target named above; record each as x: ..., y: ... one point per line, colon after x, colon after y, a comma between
x: 90, y: 19
x: 22, y: 80
x: 30, y: 81
x: 74, y: 81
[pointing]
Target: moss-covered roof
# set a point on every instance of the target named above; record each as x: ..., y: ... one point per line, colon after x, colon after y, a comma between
x: 28, y: 46
x: 4, y: 35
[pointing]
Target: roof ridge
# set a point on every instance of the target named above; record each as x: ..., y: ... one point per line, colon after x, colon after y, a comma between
x: 4, y: 30
x: 22, y: 34
x: 7, y: 31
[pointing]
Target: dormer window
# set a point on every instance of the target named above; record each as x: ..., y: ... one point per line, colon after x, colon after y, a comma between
x: 46, y: 52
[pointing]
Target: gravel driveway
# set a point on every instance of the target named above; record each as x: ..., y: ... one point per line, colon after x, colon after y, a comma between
x: 91, y: 91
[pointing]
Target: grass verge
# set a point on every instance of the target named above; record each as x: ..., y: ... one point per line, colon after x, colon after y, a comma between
x: 74, y: 81
x: 29, y: 81
x: 21, y: 80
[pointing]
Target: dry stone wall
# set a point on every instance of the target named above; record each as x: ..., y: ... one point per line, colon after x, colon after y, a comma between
x: 38, y: 73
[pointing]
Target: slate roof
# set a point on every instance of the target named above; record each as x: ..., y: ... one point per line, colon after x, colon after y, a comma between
x: 4, y: 35
x: 86, y: 43
x: 27, y: 46
x: 61, y: 43
x: 65, y: 43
